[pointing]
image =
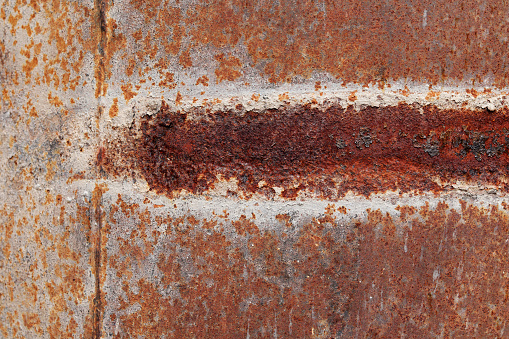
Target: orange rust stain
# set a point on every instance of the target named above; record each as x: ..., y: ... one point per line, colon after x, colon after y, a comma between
x: 229, y: 68
x: 30, y: 320
x: 185, y: 59
x: 50, y: 170
x: 28, y: 29
x: 113, y: 112
x: 432, y: 95
x: 318, y: 86
x: 178, y: 99
x: 97, y: 194
x: 62, y: 31
x: 406, y: 211
x: 128, y: 92
x: 33, y: 112
x: 245, y: 226
x: 6, y: 97
x: 162, y: 65
x: 55, y: 100
x: 37, y: 48
x: 49, y: 199
x: 13, y: 20
x: 30, y: 109
x: 75, y: 177
x: 97, y: 259
x: 168, y: 81
x: 405, y: 91
x: 131, y: 64
x: 352, y: 96
x: 138, y: 35
x: 284, y: 218
x: 203, y: 80
x: 342, y: 210
x: 29, y: 66
x: 283, y: 97
x: 473, y: 92
x: 45, y: 240
x: 167, y: 21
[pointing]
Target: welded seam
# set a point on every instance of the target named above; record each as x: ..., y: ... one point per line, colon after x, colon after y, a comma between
x: 97, y: 305
x: 100, y: 8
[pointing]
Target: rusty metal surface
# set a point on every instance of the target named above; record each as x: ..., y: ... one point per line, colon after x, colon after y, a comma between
x: 355, y: 41
x: 46, y: 229
x: 225, y: 168
x: 401, y: 270
x: 311, y: 151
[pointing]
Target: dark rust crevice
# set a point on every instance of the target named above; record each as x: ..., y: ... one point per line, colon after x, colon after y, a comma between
x: 97, y: 304
x: 101, y: 29
x: 326, y: 152
x: 96, y: 257
x: 100, y: 8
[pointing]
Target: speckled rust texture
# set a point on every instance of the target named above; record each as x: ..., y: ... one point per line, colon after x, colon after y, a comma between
x: 327, y: 152
x: 422, y: 273
x: 45, y: 268
x: 356, y: 41
x: 74, y: 265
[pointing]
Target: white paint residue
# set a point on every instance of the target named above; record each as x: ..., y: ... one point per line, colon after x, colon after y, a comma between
x: 275, y: 326
x: 290, y: 322
x: 436, y: 274
x: 425, y: 18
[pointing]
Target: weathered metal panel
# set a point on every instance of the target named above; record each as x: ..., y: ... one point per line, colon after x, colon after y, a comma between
x: 47, y: 287
x: 225, y: 168
x: 221, y: 268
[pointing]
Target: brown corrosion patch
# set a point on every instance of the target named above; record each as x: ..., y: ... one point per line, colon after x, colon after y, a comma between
x: 326, y: 152
x: 362, y: 42
x: 428, y: 271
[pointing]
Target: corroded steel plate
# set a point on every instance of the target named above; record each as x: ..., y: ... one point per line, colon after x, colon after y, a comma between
x: 236, y: 169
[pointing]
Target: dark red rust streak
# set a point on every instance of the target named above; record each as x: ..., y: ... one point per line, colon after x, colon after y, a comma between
x: 100, y: 8
x: 97, y: 305
x: 375, y: 149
